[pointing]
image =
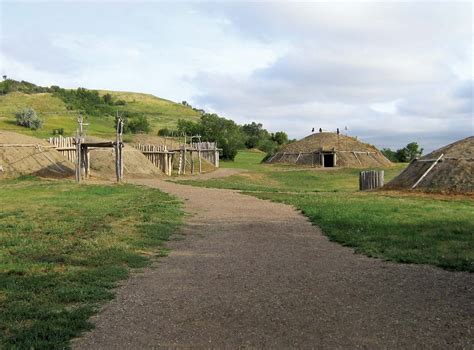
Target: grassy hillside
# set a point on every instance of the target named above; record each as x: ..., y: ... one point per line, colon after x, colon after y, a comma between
x: 160, y: 112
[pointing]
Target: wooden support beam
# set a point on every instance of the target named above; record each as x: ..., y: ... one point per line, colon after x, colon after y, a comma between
x: 78, y: 159
x: 427, y: 171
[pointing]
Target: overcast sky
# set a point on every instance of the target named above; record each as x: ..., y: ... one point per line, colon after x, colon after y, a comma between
x: 392, y: 72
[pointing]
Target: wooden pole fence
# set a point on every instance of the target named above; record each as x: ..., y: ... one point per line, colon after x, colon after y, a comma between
x: 371, y: 179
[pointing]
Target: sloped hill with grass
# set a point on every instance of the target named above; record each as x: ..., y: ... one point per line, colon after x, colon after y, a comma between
x: 57, y: 114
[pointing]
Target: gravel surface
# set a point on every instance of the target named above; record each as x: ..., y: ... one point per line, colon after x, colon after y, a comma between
x: 251, y: 273
x: 216, y: 174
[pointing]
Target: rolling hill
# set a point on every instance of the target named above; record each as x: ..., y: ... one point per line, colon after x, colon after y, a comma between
x: 53, y: 110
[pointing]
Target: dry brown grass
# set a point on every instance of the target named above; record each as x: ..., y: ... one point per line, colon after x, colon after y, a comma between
x: 449, y: 175
x: 37, y: 160
x: 343, y: 145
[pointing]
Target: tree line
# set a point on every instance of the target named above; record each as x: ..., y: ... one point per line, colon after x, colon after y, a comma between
x: 403, y: 155
x: 228, y: 135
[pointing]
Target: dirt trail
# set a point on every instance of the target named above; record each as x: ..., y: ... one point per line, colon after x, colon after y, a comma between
x: 251, y: 273
x: 216, y: 174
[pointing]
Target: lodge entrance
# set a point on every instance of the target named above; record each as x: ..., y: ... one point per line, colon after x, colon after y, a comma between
x: 328, y: 161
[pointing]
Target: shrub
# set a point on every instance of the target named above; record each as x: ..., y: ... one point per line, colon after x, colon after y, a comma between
x: 135, y: 124
x: 166, y: 132
x: 267, y: 146
x: 28, y: 118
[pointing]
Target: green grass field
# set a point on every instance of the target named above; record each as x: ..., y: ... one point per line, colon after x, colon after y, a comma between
x: 64, y: 247
x: 409, y: 228
x: 160, y: 113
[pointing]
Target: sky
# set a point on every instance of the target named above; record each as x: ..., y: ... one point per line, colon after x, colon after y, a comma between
x: 391, y: 72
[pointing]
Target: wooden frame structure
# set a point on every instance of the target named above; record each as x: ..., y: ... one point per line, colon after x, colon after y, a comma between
x: 164, y: 158
x: 77, y: 150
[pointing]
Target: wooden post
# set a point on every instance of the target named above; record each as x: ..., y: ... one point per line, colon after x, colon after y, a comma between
x: 78, y: 159
x: 180, y: 162
x: 199, y: 157
x: 83, y: 162
x: 371, y: 179
x: 118, y: 150
x: 165, y: 160
x: 216, y: 158
x: 88, y: 162
x: 192, y: 162
x: 170, y: 167
x: 117, y: 165
x: 184, y: 157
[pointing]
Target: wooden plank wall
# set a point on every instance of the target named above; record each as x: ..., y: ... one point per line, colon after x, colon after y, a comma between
x: 158, y: 155
x: 65, y: 145
x: 371, y: 179
x: 209, y: 151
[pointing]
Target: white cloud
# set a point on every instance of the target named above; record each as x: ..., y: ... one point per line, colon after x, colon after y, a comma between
x: 392, y: 72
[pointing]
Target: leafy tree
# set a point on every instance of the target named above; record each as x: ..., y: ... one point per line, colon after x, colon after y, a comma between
x: 254, y: 129
x: 165, y: 132
x: 280, y: 137
x: 107, y: 99
x: 390, y: 154
x: 268, y: 146
x: 28, y: 118
x: 403, y: 155
x: 413, y: 150
x: 255, y: 133
x: 225, y: 132
x: 189, y: 127
x: 134, y: 124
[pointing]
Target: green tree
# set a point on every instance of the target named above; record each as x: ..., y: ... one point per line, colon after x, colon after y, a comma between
x: 280, y: 137
x: 413, y: 151
x: 405, y: 154
x: 255, y: 134
x: 134, y: 124
x: 107, y: 99
x: 189, y: 128
x: 390, y: 154
x: 166, y: 132
x: 225, y: 132
x: 268, y: 146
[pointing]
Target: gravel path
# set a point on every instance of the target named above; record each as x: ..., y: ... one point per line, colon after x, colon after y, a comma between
x: 251, y: 273
x: 216, y: 174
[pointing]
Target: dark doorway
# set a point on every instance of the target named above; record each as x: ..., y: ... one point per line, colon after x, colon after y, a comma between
x: 328, y: 160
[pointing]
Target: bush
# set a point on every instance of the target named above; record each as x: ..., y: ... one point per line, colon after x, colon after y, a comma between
x: 267, y: 146
x: 166, y: 132
x: 28, y: 118
x: 135, y: 124
x: 107, y: 99
x: 59, y: 131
